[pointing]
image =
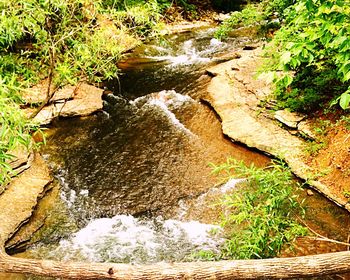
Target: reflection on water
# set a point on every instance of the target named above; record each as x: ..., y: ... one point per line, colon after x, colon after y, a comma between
x: 146, y: 152
x: 152, y: 144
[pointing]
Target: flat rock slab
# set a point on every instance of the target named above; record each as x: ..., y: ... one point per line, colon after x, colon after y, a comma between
x: 21, y: 160
x: 20, y: 198
x: 37, y: 93
x: 289, y: 119
x: 70, y: 101
x: 235, y: 93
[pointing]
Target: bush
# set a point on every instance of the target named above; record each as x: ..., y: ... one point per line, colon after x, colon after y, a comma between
x: 248, y: 16
x: 259, y: 216
x: 315, y: 45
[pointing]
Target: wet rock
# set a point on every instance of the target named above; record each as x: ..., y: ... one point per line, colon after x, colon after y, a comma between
x: 50, y: 218
x: 20, y: 198
x: 288, y: 118
x: 226, y: 57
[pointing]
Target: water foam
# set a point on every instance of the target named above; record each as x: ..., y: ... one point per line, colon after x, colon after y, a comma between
x: 127, y: 239
x: 187, y: 55
x: 166, y: 101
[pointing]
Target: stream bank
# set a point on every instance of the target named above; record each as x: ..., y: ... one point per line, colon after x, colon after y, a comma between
x: 236, y: 94
x: 165, y: 103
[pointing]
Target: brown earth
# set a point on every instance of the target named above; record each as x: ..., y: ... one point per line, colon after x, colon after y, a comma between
x: 203, y: 11
x: 333, y: 159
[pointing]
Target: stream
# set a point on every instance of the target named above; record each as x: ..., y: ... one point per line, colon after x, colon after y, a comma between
x: 135, y: 179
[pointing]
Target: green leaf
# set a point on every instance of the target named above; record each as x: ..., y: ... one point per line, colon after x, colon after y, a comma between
x: 345, y: 100
x: 286, y: 57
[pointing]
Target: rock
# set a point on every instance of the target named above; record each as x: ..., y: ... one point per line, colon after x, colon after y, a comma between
x: 288, y: 118
x: 70, y: 101
x: 309, y: 192
x: 20, y: 157
x: 87, y: 100
x: 20, y: 161
x: 47, y: 219
x: 64, y: 93
x: 305, y: 129
x: 20, y: 198
x: 185, y: 26
x: 226, y: 57
x: 37, y: 93
x: 236, y: 97
x: 222, y: 17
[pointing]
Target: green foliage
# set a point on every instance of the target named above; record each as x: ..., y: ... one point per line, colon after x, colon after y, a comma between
x: 85, y: 38
x: 279, y: 8
x: 14, y: 131
x: 315, y: 44
x: 313, y: 147
x: 69, y: 41
x: 345, y: 120
x: 248, y: 16
x: 259, y: 215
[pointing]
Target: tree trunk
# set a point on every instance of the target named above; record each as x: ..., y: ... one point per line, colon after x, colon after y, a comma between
x: 316, y: 265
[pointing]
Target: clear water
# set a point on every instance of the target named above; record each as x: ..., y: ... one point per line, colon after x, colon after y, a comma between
x: 145, y: 155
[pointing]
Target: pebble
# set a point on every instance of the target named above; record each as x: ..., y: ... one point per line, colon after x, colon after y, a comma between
x: 310, y: 192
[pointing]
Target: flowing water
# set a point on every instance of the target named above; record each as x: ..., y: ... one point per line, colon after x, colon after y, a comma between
x: 135, y: 177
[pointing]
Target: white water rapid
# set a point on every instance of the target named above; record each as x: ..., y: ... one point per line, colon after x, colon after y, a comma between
x: 124, y: 238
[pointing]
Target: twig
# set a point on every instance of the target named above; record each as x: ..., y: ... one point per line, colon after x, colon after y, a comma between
x: 49, y: 92
x: 321, y: 237
x: 325, y: 239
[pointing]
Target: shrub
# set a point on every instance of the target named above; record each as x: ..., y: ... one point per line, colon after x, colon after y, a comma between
x: 248, y: 16
x: 259, y: 217
x: 315, y: 44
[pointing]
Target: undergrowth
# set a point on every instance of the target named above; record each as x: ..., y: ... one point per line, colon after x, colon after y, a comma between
x: 311, y: 49
x: 250, y: 15
x: 259, y: 218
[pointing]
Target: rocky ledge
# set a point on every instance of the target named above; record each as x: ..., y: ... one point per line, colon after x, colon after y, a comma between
x: 236, y: 94
x: 69, y: 101
x: 19, y: 200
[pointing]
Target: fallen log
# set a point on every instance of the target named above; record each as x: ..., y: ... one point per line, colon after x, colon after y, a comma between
x: 277, y: 268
